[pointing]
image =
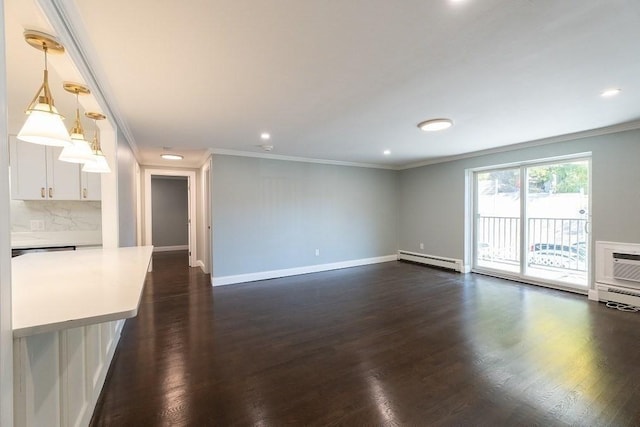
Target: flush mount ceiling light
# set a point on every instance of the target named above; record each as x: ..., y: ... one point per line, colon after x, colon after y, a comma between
x: 610, y: 92
x: 435, y: 125
x: 80, y: 150
x: 265, y: 136
x: 98, y: 164
x: 386, y: 152
x: 44, y: 125
x: 168, y: 156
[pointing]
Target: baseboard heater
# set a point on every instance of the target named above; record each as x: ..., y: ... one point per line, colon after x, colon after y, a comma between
x: 436, y: 261
x: 618, y: 294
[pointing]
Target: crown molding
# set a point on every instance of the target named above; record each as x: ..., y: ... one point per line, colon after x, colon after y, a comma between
x: 226, y: 152
x: 67, y: 23
x: 622, y: 127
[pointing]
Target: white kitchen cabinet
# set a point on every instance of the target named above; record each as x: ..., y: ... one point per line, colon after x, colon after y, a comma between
x: 90, y: 186
x: 37, y: 174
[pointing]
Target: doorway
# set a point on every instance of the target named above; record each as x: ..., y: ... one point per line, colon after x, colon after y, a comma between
x: 532, y: 221
x: 191, y: 219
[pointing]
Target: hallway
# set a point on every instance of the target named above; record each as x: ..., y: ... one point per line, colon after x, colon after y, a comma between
x: 386, y: 344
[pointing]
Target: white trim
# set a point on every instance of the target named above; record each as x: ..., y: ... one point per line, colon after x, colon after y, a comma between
x: 171, y: 248
x: 273, y: 274
x: 193, y: 214
x: 529, y: 280
x: 200, y: 264
x: 225, y: 152
x: 206, y: 226
x: 593, y: 295
x: 534, y: 162
x: 622, y: 127
x: 6, y: 329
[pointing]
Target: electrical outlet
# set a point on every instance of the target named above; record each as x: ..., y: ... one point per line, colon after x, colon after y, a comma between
x: 36, y: 225
x: 317, y: 252
x: 421, y: 245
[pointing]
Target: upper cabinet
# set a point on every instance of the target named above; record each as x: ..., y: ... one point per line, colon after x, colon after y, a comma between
x: 37, y: 174
x: 90, y: 186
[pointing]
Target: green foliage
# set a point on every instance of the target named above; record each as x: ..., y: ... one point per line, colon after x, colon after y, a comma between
x: 558, y: 178
x: 562, y: 178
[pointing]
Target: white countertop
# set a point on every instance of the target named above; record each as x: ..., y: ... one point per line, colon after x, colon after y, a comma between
x: 62, y: 290
x: 34, y: 239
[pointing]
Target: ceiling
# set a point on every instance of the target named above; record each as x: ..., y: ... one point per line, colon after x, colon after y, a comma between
x: 345, y: 80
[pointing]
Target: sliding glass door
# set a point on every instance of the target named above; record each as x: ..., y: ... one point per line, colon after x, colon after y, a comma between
x: 498, y: 243
x: 532, y: 221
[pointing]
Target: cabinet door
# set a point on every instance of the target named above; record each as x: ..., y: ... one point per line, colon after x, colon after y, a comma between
x: 28, y: 170
x: 90, y: 188
x: 63, y: 178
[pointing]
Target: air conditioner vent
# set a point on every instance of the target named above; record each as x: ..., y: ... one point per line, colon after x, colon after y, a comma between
x: 626, y: 266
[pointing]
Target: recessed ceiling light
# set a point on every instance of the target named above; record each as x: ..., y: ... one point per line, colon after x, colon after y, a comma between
x: 386, y: 152
x: 610, y: 92
x: 265, y: 136
x: 172, y: 156
x: 435, y: 124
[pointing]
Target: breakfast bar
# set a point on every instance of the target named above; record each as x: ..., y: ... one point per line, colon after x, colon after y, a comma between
x: 68, y: 310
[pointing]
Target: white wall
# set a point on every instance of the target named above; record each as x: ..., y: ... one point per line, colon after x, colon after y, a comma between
x: 6, y: 331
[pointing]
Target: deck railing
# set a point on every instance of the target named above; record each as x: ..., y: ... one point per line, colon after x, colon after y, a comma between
x: 551, y: 242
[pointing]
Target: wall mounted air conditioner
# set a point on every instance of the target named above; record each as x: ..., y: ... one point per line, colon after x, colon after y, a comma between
x: 626, y: 266
x: 617, y: 273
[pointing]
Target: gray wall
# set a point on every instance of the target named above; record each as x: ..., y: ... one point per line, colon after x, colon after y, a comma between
x: 127, y: 179
x: 169, y: 211
x: 272, y: 214
x: 432, y: 197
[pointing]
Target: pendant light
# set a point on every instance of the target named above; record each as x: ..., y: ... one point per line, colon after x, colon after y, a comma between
x: 80, y: 150
x: 98, y: 164
x: 44, y: 124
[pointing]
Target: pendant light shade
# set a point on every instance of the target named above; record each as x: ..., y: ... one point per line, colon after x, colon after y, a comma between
x: 98, y: 163
x: 79, y: 151
x: 44, y: 124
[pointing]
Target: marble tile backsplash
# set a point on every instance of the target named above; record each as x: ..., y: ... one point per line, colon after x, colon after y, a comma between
x: 62, y: 215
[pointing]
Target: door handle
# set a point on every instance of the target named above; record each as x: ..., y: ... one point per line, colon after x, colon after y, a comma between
x: 42, y: 192
x: 84, y: 193
x: 50, y: 193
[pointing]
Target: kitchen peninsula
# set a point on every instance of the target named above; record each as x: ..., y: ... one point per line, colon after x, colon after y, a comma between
x: 68, y: 311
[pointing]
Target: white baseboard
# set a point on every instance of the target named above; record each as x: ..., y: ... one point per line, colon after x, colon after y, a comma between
x: 593, y: 295
x: 265, y: 275
x: 170, y: 248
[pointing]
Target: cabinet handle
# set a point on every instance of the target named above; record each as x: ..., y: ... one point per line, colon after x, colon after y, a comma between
x: 84, y: 193
x: 42, y: 192
x: 50, y: 193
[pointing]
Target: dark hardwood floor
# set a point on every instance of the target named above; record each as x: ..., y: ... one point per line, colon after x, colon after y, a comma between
x: 386, y: 344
